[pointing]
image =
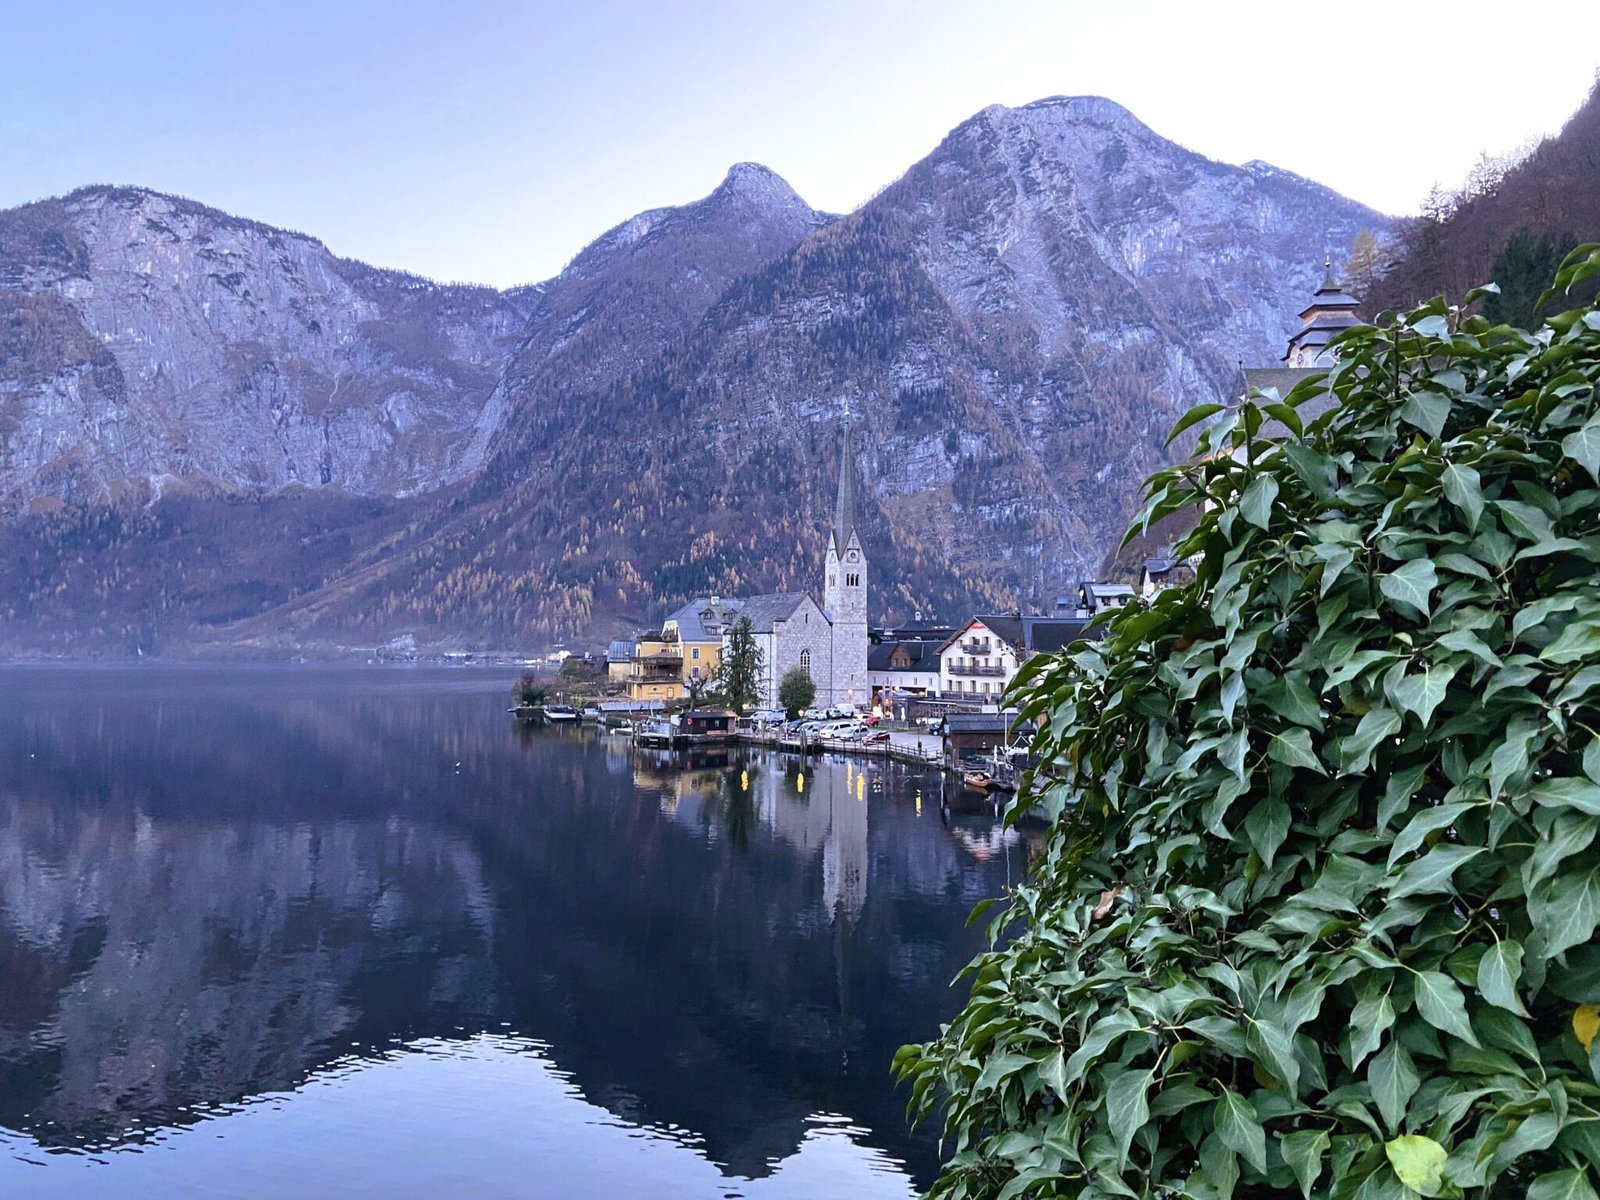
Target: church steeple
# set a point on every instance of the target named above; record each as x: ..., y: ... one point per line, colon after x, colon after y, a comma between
x: 844, y: 596
x: 844, y: 511
x: 1329, y: 314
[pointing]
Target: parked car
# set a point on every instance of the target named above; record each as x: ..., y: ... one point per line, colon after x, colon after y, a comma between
x: 878, y: 737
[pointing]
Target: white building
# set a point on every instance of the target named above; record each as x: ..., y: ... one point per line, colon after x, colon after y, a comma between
x: 983, y: 657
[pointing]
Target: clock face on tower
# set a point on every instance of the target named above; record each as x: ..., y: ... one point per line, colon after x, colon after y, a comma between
x: 853, y: 556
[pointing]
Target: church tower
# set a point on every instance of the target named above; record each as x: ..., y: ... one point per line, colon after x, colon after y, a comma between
x: 1328, y: 315
x: 844, y: 596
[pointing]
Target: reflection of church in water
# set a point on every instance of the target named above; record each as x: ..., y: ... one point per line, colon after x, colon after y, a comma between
x: 817, y: 808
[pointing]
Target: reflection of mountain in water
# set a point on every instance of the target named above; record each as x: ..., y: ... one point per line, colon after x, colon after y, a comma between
x: 212, y: 893
x: 166, y: 964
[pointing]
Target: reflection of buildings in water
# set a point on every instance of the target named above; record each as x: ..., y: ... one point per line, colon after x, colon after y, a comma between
x: 985, y: 843
x: 828, y: 812
x: 618, y: 754
x: 179, y: 965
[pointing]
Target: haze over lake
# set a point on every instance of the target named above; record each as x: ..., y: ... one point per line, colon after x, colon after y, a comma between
x: 293, y: 932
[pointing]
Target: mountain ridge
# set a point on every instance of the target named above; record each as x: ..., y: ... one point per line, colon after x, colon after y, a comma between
x: 1015, y: 321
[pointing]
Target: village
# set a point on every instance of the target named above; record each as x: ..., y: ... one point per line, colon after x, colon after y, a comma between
x: 918, y: 691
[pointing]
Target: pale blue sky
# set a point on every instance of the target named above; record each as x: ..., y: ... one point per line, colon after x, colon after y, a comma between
x: 488, y: 141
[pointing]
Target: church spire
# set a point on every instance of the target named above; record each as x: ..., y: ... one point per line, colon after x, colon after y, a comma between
x: 844, y: 513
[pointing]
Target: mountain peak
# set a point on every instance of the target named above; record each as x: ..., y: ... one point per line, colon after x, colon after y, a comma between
x: 759, y: 185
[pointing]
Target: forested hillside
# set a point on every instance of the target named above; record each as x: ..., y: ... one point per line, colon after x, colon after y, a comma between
x: 1509, y: 222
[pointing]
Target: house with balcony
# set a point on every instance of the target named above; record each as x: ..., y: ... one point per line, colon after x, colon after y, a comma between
x: 656, y: 671
x: 700, y: 628
x: 981, y: 660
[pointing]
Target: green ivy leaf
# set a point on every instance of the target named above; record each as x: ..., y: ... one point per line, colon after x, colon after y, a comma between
x: 1356, y: 749
x: 1571, y: 1184
x: 1566, y: 911
x: 1464, y: 489
x: 1293, y: 747
x: 1393, y: 1078
x: 1128, y: 1109
x: 1422, y: 692
x: 1234, y: 1119
x: 1581, y: 794
x: 1411, y: 584
x: 1442, y: 1005
x: 1418, y: 1161
x: 1432, y: 872
x: 1304, y: 1151
x: 1498, y: 972
x: 1255, y: 505
x: 1370, y: 1020
x: 1427, y: 410
x: 1583, y: 446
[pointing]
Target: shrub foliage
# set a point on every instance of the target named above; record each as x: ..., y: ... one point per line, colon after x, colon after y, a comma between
x: 1318, y: 907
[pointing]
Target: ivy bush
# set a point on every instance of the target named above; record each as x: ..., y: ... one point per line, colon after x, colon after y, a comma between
x: 1317, y: 911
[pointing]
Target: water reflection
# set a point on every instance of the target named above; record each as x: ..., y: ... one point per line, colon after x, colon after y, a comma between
x: 217, y: 887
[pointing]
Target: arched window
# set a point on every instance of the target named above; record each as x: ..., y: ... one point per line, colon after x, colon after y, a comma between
x: 805, y: 661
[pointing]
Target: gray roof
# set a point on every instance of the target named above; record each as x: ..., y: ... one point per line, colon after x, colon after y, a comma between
x: 844, y: 512
x: 1000, y: 722
x: 1279, y: 379
x: 764, y: 611
x: 619, y: 651
x: 706, y: 620
x: 924, y: 655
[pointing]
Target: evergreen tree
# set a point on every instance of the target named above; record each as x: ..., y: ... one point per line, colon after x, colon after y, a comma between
x: 1521, y: 272
x: 796, y: 691
x: 738, y: 676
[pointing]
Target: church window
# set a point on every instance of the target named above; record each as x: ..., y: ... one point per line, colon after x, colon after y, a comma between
x: 852, y: 581
x: 805, y: 661
x: 832, y: 580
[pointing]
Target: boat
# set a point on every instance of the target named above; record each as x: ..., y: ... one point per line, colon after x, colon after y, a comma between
x: 592, y: 713
x: 978, y: 781
x: 560, y: 712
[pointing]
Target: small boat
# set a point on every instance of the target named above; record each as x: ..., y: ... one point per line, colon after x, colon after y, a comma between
x: 593, y: 713
x: 978, y: 781
x: 560, y: 712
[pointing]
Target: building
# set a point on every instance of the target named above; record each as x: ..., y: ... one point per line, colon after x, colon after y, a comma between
x: 619, y: 660
x: 827, y: 641
x: 969, y: 737
x: 656, y: 671
x: 699, y: 628
x: 983, y: 657
x: 1328, y: 315
x: 904, y: 667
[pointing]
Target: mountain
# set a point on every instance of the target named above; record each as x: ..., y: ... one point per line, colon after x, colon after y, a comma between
x: 148, y: 338
x: 1013, y: 325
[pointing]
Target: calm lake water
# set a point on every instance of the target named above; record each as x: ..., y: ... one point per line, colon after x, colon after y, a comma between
x: 307, y: 933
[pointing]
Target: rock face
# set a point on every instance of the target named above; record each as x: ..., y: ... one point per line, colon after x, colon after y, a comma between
x: 1013, y: 326
x: 144, y: 336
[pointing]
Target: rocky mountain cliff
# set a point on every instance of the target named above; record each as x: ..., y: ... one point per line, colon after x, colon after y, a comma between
x: 145, y: 337
x: 1013, y: 325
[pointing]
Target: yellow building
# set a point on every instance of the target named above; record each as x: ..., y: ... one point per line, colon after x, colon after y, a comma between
x: 688, y: 648
x: 657, y: 669
x: 698, y: 627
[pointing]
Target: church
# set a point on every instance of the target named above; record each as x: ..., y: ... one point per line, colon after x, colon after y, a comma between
x: 827, y: 641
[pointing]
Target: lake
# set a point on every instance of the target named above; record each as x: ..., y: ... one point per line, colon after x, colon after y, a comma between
x: 307, y: 932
